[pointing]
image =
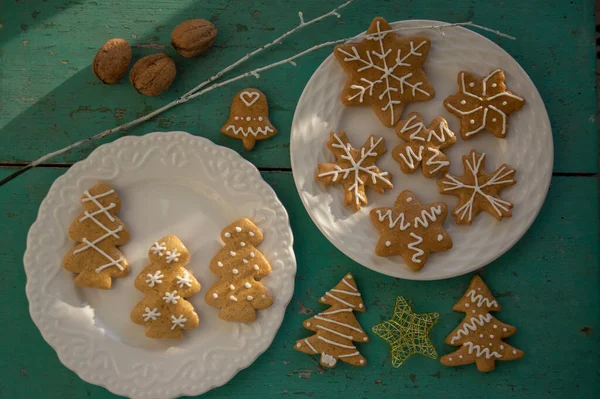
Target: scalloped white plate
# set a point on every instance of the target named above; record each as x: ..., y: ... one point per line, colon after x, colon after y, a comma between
x: 528, y: 149
x: 169, y: 183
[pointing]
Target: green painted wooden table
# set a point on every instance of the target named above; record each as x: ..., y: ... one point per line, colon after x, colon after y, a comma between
x: 547, y: 283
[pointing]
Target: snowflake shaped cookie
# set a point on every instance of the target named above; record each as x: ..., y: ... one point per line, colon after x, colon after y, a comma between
x: 411, y: 230
x: 478, y: 190
x: 385, y: 71
x: 355, y: 168
x: 423, y: 145
x: 483, y: 104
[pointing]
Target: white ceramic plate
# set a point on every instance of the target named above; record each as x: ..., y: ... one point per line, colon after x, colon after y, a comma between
x: 528, y: 149
x: 169, y: 183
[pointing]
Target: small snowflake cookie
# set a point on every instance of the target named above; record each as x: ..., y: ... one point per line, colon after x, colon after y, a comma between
x: 411, y: 230
x: 249, y: 118
x: 483, y: 104
x: 166, y: 283
x: 355, y: 168
x: 385, y: 71
x: 477, y: 190
x: 98, y: 231
x: 240, y: 293
x: 423, y: 145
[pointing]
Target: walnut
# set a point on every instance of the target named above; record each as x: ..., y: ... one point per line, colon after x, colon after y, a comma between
x: 111, y: 61
x: 153, y: 74
x: 193, y: 37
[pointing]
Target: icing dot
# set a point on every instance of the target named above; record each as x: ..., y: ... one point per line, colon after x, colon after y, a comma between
x: 234, y: 271
x: 440, y: 237
x: 365, y: 338
x: 472, y: 121
x: 480, y: 335
x: 323, y: 299
x: 450, y: 358
x: 308, y: 324
x: 478, y: 289
x: 494, y: 85
x: 504, y: 103
x: 220, y: 264
x: 215, y: 295
x: 237, y: 118
x: 256, y: 267
x: 264, y: 297
x: 249, y: 297
x: 228, y: 235
x: 463, y: 102
x: 494, y: 119
x: 409, y: 199
x: 467, y: 305
x: 247, y: 285
x: 490, y: 344
x: 495, y: 326
x: 362, y: 361
x: 231, y: 287
x: 244, y: 260
x: 260, y: 118
x: 472, y: 84
x: 460, y: 356
x: 514, y: 352
x: 473, y: 310
x: 388, y: 243
x: 233, y: 298
x: 243, y: 244
x: 360, y: 305
x: 238, y: 229
x: 504, y: 329
x: 349, y: 277
x: 248, y: 118
x: 298, y: 345
x: 491, y: 336
x: 232, y: 253
x: 252, y: 254
x: 502, y: 347
x: 251, y: 234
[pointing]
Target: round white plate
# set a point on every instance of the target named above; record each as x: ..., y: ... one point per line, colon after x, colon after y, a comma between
x: 169, y: 183
x: 528, y: 149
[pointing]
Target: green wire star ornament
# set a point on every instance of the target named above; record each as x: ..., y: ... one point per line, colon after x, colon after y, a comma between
x: 408, y: 333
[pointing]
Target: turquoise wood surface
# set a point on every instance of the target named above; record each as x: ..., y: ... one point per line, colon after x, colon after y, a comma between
x: 547, y: 284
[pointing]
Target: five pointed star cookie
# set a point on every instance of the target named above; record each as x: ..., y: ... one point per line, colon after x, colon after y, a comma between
x: 423, y: 145
x: 408, y: 333
x: 355, y: 168
x: 411, y: 230
x: 478, y: 190
x: 483, y: 103
x: 385, y: 71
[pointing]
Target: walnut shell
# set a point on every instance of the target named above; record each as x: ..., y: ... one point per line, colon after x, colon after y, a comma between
x: 193, y: 37
x: 153, y: 74
x: 111, y: 61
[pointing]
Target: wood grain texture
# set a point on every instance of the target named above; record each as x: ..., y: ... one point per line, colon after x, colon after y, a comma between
x: 50, y: 97
x: 546, y: 284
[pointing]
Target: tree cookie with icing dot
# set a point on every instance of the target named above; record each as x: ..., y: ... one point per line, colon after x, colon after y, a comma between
x: 249, y: 118
x: 483, y: 104
x: 240, y: 293
x: 385, y: 71
x: 98, y: 231
x: 411, y: 230
x: 166, y: 284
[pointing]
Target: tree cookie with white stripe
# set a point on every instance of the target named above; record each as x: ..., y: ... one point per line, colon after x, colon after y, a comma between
x: 337, y: 328
x: 411, y: 230
x: 98, y: 231
x: 249, y: 118
x: 483, y: 104
x: 423, y: 145
x: 166, y: 284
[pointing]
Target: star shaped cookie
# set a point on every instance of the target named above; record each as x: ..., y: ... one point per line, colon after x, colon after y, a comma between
x: 477, y: 190
x: 408, y: 333
x: 385, y: 71
x: 411, y: 230
x: 483, y: 104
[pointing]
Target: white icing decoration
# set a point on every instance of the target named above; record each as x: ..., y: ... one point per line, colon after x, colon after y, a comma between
x: 231, y: 287
x: 431, y: 215
x: 360, y: 305
x: 491, y: 336
x: 335, y: 343
x: 348, y: 284
x: 236, y: 118
x: 154, y: 279
x: 234, y: 271
x: 495, y: 326
x: 463, y: 102
x: 232, y: 253
x: 413, y: 245
x: 252, y: 254
x: 480, y: 299
x: 171, y: 297
x: 310, y: 346
x: 440, y: 237
x: 215, y: 295
x: 249, y: 297
x: 151, y: 314
x: 505, y: 329
x: 318, y: 326
x: 472, y: 121
x: 238, y: 229
x: 248, y: 118
x: 243, y: 244
x: 481, y: 352
x: 501, y: 347
x: 233, y: 298
x: 251, y: 233
x: 346, y: 292
x: 260, y: 118
x: 467, y: 305
x: 388, y: 243
x: 409, y: 199
x: 264, y: 130
x: 318, y: 317
x: 185, y: 280
x: 244, y: 260
x: 480, y: 335
x: 308, y: 324
x: 472, y: 84
x: 393, y: 222
x: 157, y: 249
x: 249, y: 97
x: 357, y: 167
x: 172, y: 256
x: 227, y: 235
x: 220, y: 264
x: 256, y: 267
x: 412, y: 159
x: 178, y: 321
x: 298, y: 345
x: 514, y: 352
x: 362, y: 361
x: 339, y: 300
x: 328, y: 359
x: 247, y: 285
x: 351, y: 355
x: 336, y: 311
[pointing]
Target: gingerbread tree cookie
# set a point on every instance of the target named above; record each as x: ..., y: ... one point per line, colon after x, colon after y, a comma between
x: 480, y: 334
x: 239, y: 293
x: 385, y: 71
x: 478, y: 190
x: 411, y: 230
x: 423, y: 145
x: 166, y: 283
x: 355, y: 168
x: 337, y: 327
x: 483, y: 104
x: 98, y: 231
x: 249, y: 118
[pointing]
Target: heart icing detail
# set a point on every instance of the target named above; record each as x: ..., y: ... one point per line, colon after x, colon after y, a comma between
x: 249, y: 97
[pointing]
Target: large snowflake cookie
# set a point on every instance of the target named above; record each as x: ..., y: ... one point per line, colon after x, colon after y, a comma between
x: 411, y: 229
x: 483, y: 104
x: 423, y: 145
x: 249, y: 118
x: 478, y: 190
x: 385, y: 71
x: 166, y: 284
x: 355, y: 168
x: 98, y: 231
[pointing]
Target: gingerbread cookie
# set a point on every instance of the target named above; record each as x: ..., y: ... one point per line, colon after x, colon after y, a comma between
x: 411, y: 230
x: 166, y: 283
x: 249, y: 118
x: 478, y: 190
x: 483, y: 103
x: 98, y: 231
x: 239, y: 293
x: 385, y: 71
x: 337, y: 328
x: 480, y: 334
x: 355, y: 168
x: 423, y: 145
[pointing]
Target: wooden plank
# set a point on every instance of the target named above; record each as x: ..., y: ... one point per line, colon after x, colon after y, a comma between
x: 50, y: 97
x: 546, y: 284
